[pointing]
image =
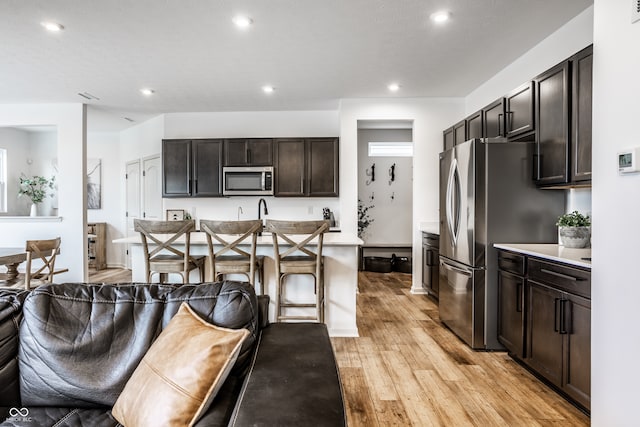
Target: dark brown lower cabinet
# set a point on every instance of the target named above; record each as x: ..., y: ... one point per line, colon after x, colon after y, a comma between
x: 511, y: 312
x: 559, y: 327
x: 544, y: 341
x: 559, y: 340
x: 577, y: 370
x: 544, y: 320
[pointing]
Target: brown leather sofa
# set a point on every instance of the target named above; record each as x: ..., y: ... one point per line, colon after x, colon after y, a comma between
x: 67, y: 351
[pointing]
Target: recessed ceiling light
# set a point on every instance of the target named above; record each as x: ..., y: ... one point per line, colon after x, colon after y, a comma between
x: 441, y: 16
x: 54, y: 27
x: 268, y: 89
x: 242, y: 21
x: 147, y: 91
x: 394, y: 87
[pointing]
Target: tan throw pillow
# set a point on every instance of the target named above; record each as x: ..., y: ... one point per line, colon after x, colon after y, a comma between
x: 180, y: 374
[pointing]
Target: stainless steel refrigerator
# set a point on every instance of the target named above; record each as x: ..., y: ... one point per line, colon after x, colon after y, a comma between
x: 487, y: 196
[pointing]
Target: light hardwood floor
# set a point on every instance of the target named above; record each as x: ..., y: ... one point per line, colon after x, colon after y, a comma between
x: 407, y: 369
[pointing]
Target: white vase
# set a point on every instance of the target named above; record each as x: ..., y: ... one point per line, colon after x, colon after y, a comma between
x: 34, y: 210
x: 575, y: 237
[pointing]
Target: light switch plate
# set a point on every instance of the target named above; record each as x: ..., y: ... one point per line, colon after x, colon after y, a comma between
x: 635, y: 11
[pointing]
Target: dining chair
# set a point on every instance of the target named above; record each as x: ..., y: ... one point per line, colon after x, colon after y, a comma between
x: 225, y: 254
x: 161, y: 244
x: 292, y: 248
x: 45, y: 251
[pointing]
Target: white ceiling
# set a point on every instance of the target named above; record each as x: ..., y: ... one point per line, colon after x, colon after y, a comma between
x: 314, y: 52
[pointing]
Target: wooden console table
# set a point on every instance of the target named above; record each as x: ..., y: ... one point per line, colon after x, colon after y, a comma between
x: 97, y: 249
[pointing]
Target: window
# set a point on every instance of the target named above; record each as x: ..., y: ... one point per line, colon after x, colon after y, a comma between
x: 3, y: 180
x: 391, y: 149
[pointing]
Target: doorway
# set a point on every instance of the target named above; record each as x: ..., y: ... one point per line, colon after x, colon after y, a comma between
x: 385, y: 189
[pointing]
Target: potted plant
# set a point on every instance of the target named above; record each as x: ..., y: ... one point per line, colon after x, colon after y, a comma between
x: 575, y: 229
x: 363, y: 218
x: 36, y: 188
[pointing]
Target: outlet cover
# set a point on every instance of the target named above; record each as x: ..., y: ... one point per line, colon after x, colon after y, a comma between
x: 635, y: 11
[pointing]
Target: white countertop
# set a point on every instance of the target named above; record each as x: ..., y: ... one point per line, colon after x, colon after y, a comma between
x: 199, y: 238
x: 432, y: 227
x: 551, y: 251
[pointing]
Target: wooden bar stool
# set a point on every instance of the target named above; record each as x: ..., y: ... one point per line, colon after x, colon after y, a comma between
x: 165, y: 235
x: 243, y: 262
x: 308, y: 262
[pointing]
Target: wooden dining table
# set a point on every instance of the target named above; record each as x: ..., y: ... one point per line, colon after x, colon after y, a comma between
x: 12, y: 257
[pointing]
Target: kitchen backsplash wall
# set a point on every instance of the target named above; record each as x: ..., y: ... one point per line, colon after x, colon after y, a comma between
x: 245, y: 208
x: 579, y: 199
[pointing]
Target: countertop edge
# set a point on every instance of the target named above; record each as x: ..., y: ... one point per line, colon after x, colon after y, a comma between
x: 198, y: 238
x: 546, y: 251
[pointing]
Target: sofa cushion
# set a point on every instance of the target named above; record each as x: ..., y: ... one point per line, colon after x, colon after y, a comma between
x: 59, y: 417
x: 80, y: 343
x: 180, y: 374
x: 10, y: 316
x: 301, y: 389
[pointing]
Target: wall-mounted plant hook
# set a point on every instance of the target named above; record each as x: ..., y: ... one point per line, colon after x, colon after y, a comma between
x: 371, y: 197
x: 371, y: 173
x: 392, y: 173
x: 393, y: 196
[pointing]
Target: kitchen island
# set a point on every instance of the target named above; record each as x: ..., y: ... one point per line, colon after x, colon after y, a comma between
x: 340, y: 251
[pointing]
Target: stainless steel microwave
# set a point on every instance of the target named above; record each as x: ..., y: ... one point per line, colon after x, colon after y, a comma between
x: 247, y: 181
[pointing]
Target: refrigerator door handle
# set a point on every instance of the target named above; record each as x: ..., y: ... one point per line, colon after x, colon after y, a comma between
x: 452, y: 204
x: 456, y: 269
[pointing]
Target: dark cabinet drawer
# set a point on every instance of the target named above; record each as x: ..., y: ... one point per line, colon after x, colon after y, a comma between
x: 570, y: 279
x: 511, y: 262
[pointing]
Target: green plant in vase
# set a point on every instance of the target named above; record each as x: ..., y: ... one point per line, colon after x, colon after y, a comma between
x: 36, y: 188
x: 363, y: 218
x: 575, y: 229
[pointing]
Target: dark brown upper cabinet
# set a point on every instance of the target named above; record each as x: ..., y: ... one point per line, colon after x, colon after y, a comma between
x: 582, y: 67
x: 447, y: 137
x: 306, y: 167
x: 459, y: 132
x: 474, y: 125
x: 322, y: 167
x: 519, y: 111
x: 563, y: 116
x: 248, y: 152
x: 551, y: 161
x: 493, y: 119
x: 192, y: 168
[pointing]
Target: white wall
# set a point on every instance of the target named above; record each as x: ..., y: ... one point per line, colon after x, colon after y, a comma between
x: 429, y: 117
x: 70, y: 121
x: 106, y: 147
x: 16, y: 142
x: 569, y: 39
x: 29, y: 153
x: 43, y: 160
x: 615, y: 292
x: 392, y: 217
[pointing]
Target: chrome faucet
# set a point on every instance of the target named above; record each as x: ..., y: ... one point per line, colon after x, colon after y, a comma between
x: 239, y: 212
x: 264, y: 211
